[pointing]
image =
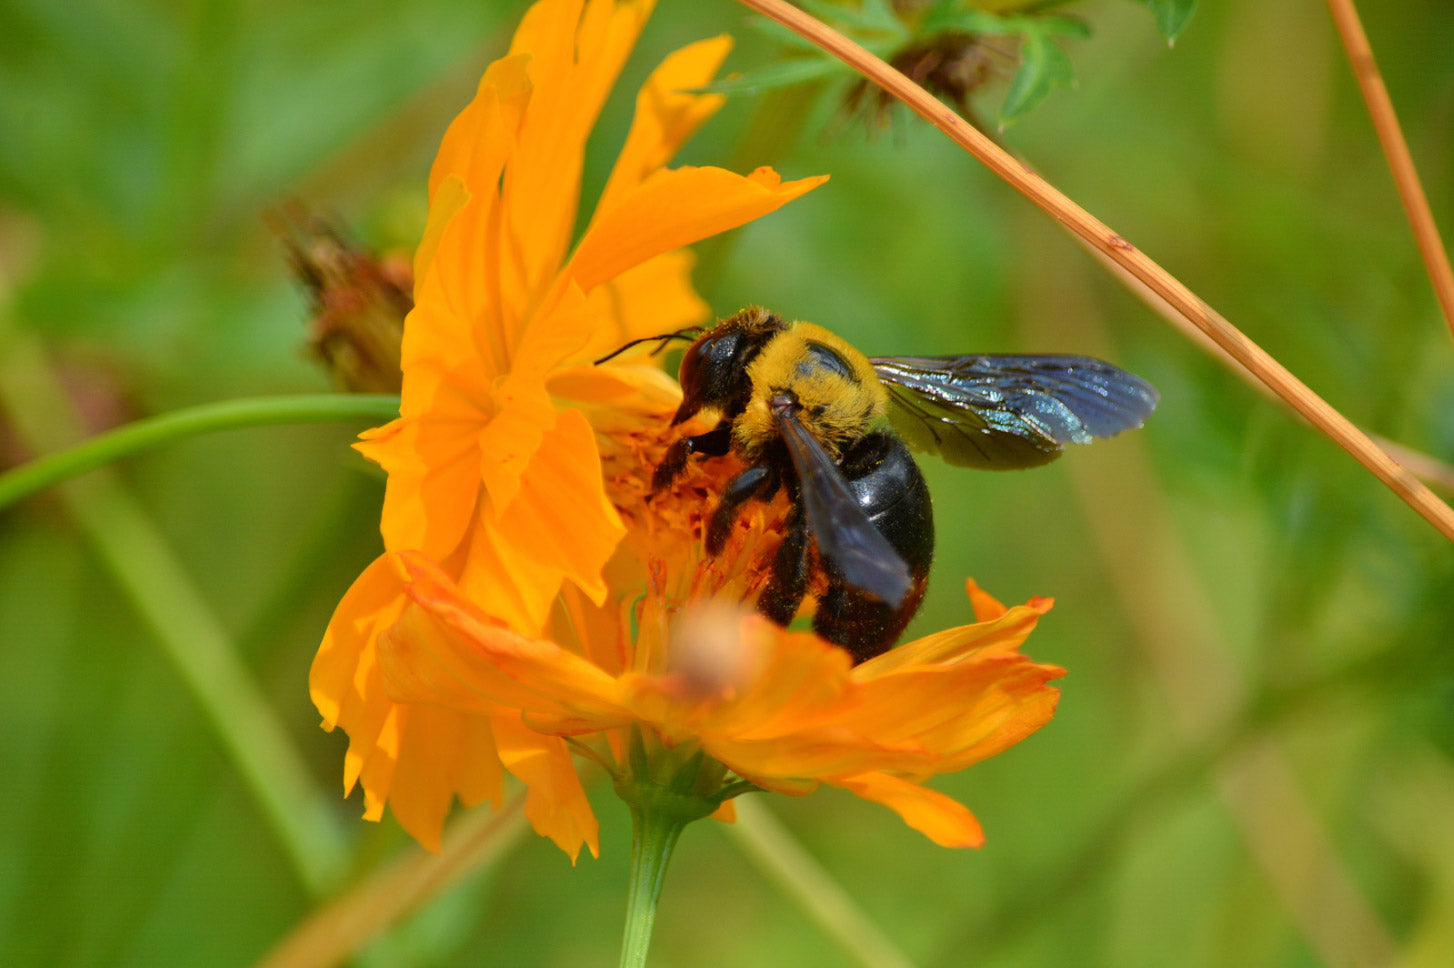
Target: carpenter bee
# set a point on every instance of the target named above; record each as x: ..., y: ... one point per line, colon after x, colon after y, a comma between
x: 806, y: 411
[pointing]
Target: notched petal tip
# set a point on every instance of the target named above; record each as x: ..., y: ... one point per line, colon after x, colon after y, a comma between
x: 986, y: 607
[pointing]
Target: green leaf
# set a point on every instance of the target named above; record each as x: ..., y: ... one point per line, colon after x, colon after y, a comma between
x: 971, y: 20
x: 782, y: 74
x: 1064, y: 27
x: 939, y: 10
x: 1172, y: 16
x: 879, y: 15
x: 874, y: 20
x: 775, y: 31
x: 1043, y: 67
x: 874, y: 17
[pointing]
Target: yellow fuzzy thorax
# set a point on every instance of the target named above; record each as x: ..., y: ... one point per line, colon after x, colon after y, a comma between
x: 835, y: 409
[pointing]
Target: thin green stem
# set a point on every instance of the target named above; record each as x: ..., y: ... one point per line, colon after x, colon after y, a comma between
x: 192, y: 637
x: 665, y: 793
x: 210, y: 417
x: 654, y: 834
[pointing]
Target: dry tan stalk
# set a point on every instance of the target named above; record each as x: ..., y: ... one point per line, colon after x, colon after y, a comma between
x: 337, y: 930
x: 1186, y: 303
x: 1396, y: 150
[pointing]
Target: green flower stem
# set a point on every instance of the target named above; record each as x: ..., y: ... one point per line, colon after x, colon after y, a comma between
x: 207, y: 418
x: 193, y: 639
x: 654, y: 834
x: 666, y: 790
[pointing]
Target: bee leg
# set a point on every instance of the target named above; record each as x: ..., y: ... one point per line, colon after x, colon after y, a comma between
x: 714, y: 443
x: 759, y: 481
x: 780, y: 600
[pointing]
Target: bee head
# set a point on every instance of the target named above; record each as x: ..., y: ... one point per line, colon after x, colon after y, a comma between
x: 714, y: 368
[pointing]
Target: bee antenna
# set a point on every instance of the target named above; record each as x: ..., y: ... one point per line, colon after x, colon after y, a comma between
x: 685, y: 333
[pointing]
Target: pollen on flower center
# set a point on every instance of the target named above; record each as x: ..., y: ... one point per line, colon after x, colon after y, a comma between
x: 667, y: 529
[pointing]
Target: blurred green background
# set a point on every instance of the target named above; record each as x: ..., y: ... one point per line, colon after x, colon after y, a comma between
x: 1252, y: 760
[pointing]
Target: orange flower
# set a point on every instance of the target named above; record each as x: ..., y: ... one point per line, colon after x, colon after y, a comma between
x: 532, y: 600
x: 785, y: 711
x: 494, y: 467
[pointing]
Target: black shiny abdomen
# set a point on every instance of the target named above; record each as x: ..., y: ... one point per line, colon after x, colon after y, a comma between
x: 884, y: 477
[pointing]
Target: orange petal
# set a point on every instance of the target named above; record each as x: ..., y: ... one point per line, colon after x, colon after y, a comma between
x: 431, y: 454
x: 557, y: 332
x: 561, y: 520
x: 462, y: 284
x: 618, y: 397
x: 345, y: 683
x: 515, y: 590
x: 602, y: 632
x: 482, y: 136
x: 945, y: 821
x: 444, y: 651
x: 674, y: 208
x: 666, y: 116
x: 457, y: 322
x: 446, y: 340
x: 813, y: 755
x: 1016, y: 723
x: 372, y: 602
x: 445, y: 202
x: 800, y: 713
x: 376, y: 769
x: 783, y: 683
x: 788, y: 712
x: 508, y: 444
x: 424, y: 664
x: 576, y: 57
x: 1001, y: 635
x: 479, y: 775
x: 441, y: 753
x: 986, y: 607
x: 555, y: 803
x: 961, y: 713
x: 650, y: 299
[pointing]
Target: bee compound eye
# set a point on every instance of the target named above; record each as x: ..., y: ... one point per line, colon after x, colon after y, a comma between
x: 691, y: 361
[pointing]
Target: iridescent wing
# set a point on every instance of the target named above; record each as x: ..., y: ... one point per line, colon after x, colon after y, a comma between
x: 1001, y: 412
x: 844, y: 534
